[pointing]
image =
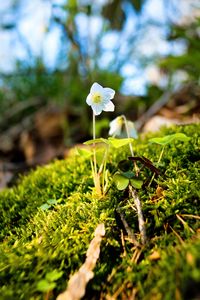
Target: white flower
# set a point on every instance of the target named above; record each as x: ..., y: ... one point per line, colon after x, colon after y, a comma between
x: 99, y: 99
x: 119, y: 127
x: 116, y: 126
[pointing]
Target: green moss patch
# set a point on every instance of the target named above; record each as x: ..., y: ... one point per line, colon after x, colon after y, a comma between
x: 47, y: 222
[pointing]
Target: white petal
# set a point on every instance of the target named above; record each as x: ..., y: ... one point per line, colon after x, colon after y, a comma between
x: 89, y: 99
x: 97, y: 109
x: 115, y: 127
x: 132, y: 130
x: 96, y: 88
x: 112, y: 127
x: 109, y: 106
x: 105, y: 99
x: 114, y: 130
x: 109, y: 93
x: 113, y: 122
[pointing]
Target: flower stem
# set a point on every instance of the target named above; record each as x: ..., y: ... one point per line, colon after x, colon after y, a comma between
x: 130, y: 145
x: 94, y: 128
x: 94, y: 137
x: 128, y: 135
x: 141, y: 222
x: 96, y: 176
x: 159, y: 159
x: 102, y: 170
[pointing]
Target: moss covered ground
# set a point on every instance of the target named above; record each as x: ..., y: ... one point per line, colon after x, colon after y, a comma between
x: 48, y: 219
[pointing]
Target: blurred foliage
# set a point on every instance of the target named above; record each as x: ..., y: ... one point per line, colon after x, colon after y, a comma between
x: 115, y: 14
x: 189, y: 61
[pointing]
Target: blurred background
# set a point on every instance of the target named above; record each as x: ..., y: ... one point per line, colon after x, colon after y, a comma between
x: 51, y: 51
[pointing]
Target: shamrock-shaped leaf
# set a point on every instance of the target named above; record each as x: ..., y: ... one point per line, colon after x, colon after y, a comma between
x: 169, y: 138
x: 136, y: 182
x: 120, y: 181
x: 117, y: 143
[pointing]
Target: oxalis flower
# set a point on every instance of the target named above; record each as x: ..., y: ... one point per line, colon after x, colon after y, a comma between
x: 119, y: 127
x: 99, y: 98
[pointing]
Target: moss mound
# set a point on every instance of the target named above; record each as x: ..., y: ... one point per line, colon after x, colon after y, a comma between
x: 49, y: 218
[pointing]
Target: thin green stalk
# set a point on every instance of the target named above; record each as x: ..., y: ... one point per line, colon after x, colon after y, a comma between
x: 130, y: 145
x: 102, y: 169
x: 95, y: 173
x: 128, y: 135
x: 94, y: 146
x: 159, y: 159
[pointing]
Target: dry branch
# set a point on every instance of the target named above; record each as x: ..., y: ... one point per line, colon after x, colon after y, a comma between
x: 78, y: 282
x: 141, y: 221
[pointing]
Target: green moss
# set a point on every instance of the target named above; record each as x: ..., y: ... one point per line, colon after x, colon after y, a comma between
x: 37, y: 240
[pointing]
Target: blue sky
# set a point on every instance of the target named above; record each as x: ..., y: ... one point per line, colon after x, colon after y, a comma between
x: 34, y: 22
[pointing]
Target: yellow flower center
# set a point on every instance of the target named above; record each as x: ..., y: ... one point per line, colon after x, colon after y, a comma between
x: 120, y: 121
x: 96, y: 98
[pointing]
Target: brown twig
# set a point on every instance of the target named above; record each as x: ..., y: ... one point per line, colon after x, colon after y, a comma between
x: 190, y: 216
x: 78, y: 281
x: 136, y: 255
x: 123, y: 243
x: 184, y: 223
x: 177, y: 235
x: 129, y: 231
x: 141, y: 222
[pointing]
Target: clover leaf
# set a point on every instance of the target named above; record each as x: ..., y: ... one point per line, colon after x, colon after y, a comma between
x: 123, y: 179
x: 169, y: 138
